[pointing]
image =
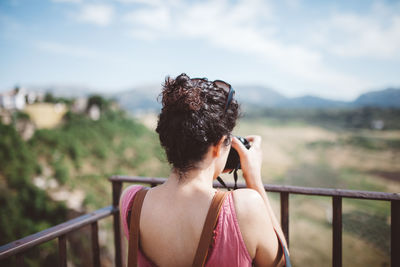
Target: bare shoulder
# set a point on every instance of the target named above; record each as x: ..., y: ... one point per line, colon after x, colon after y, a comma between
x: 246, y: 193
x: 252, y: 216
x: 248, y: 202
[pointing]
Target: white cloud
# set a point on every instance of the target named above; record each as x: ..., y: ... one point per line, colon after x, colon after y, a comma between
x: 360, y: 36
x: 97, y: 14
x: 247, y: 27
x: 146, y: 2
x: 78, y: 51
x: 66, y: 1
x: 255, y: 28
x: 151, y: 18
x: 66, y: 49
x: 145, y: 35
x: 293, y: 3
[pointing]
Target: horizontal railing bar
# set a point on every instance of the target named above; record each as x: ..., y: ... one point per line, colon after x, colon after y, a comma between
x: 25, y: 243
x: 315, y: 191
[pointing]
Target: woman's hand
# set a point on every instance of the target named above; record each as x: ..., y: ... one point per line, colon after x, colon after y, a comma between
x: 250, y: 160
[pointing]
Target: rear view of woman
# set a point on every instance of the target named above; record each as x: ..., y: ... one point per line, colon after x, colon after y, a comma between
x: 194, y: 128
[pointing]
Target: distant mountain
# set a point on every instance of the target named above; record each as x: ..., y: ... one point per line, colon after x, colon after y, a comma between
x: 265, y: 97
x: 385, y: 99
x: 309, y: 101
x: 144, y: 98
x: 259, y: 96
x: 141, y: 99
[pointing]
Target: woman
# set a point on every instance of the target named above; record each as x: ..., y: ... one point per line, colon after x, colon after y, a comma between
x: 194, y: 128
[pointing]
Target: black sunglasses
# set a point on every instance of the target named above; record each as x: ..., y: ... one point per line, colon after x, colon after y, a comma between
x: 228, y: 87
x: 224, y: 85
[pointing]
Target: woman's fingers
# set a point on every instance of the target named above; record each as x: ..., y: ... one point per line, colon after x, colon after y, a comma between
x: 250, y: 159
x: 236, y: 144
x: 255, y: 140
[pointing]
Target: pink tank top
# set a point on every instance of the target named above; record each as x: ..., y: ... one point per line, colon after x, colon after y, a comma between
x: 228, y: 248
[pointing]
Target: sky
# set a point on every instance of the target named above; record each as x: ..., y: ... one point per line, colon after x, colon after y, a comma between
x: 331, y: 49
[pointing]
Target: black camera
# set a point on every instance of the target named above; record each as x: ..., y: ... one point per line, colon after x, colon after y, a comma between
x: 233, y: 161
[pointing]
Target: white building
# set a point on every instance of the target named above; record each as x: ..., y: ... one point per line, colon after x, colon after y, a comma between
x: 14, y: 99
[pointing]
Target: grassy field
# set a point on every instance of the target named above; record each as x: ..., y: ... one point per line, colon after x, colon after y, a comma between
x: 312, y: 156
x: 304, y: 155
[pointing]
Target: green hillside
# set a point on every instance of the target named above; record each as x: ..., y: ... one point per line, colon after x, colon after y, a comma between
x: 73, y: 160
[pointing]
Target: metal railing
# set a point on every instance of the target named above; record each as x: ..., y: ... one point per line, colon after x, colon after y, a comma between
x: 18, y: 247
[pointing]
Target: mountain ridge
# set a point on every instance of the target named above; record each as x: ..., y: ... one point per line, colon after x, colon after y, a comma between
x: 144, y: 99
x: 263, y: 97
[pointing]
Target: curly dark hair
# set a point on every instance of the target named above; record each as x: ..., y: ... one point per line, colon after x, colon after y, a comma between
x: 193, y: 117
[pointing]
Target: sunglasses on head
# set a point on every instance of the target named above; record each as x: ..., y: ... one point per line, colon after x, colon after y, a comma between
x: 224, y: 85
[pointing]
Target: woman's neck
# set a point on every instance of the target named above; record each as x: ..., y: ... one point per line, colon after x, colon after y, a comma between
x: 197, y: 179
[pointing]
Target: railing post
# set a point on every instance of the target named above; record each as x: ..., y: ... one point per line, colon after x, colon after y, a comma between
x: 285, y: 215
x: 395, y: 233
x: 62, y: 251
x: 95, y: 244
x: 337, y: 232
x: 116, y: 193
x: 19, y: 260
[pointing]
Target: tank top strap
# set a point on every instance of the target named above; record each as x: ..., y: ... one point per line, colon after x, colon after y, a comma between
x: 126, y: 206
x: 229, y: 248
